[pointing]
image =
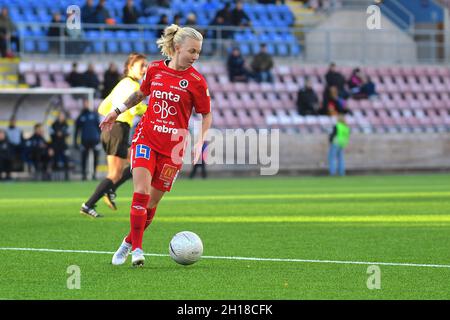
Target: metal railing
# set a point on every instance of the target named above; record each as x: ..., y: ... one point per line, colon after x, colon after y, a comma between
x: 304, y: 44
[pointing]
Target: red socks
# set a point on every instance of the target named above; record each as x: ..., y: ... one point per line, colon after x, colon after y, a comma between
x: 150, y: 215
x: 148, y: 221
x: 138, y: 216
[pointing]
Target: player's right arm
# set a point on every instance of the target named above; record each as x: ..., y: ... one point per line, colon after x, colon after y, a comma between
x: 135, y: 98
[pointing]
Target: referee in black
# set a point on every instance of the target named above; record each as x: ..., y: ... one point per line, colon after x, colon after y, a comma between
x: 116, y: 142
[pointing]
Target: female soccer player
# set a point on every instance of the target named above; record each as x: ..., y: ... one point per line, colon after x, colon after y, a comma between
x: 175, y: 88
x: 115, y: 143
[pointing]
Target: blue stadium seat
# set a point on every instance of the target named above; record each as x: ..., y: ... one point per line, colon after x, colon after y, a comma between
x: 125, y: 46
x: 151, y: 46
x: 42, y: 46
x: 28, y: 45
x: 138, y: 46
x: 112, y: 46
x: 245, y: 49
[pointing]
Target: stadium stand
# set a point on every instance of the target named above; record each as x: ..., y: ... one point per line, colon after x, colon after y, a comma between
x: 410, y: 97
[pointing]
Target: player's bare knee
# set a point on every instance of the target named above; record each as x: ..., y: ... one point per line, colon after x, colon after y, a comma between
x: 152, y: 204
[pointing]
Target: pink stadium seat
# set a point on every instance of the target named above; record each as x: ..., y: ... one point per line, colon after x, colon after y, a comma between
x: 219, y: 121
x: 214, y: 87
x: 425, y: 85
x: 30, y: 78
x: 395, y: 71
x: 282, y: 70
x: 223, y: 78
x: 402, y: 85
x: 249, y: 104
x: 227, y: 87
x: 253, y: 87
x: 279, y: 87
x: 407, y: 71
x: 244, y: 119
x: 240, y: 86
x: 230, y: 119
x: 412, y: 83
x: 257, y: 118
x: 438, y: 85
x: 40, y: 67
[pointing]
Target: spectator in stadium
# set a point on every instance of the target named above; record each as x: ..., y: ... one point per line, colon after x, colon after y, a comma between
x: 15, y: 138
x: 177, y: 19
x: 338, y: 139
x: 307, y: 100
x: 237, y: 71
x: 6, y: 156
x: 102, y: 15
x: 8, y: 33
x: 335, y: 78
x: 262, y: 65
x: 55, y: 32
x: 225, y: 14
x: 130, y: 14
x: 368, y: 89
x: 90, y: 78
x: 332, y: 104
x: 111, y: 77
x: 222, y: 19
x: 201, y: 164
x: 156, y: 156
x: 75, y: 78
x: 238, y: 16
x: 87, y: 126
x: 59, y: 132
x: 88, y: 12
x: 355, y: 82
x: 163, y: 22
x: 191, y: 20
x: 116, y: 143
x: 39, y: 153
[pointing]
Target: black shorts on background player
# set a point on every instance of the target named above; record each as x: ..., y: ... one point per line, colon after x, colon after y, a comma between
x: 115, y: 142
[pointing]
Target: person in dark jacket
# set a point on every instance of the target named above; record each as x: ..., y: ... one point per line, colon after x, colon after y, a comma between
x: 75, y: 78
x: 6, y: 156
x: 87, y: 125
x: 262, y: 65
x: 237, y: 71
x: 130, y: 13
x: 101, y: 13
x: 90, y: 78
x: 59, y: 132
x: 307, y: 100
x: 111, y: 77
x: 39, y: 153
x: 336, y: 79
x: 238, y: 16
x: 332, y: 104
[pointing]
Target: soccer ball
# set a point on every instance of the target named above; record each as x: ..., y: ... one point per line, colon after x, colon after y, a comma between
x: 186, y: 247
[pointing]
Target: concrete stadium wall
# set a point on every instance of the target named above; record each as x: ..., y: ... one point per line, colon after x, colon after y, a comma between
x: 356, y: 42
x: 366, y: 153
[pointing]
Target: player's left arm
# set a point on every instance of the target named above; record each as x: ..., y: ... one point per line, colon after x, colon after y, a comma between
x: 202, y: 102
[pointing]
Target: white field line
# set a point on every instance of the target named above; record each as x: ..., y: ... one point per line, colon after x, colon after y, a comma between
x: 246, y: 258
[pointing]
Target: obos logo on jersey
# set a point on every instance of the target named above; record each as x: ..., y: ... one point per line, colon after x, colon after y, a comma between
x: 184, y: 83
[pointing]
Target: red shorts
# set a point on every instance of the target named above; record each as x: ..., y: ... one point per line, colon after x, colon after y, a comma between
x: 162, y: 169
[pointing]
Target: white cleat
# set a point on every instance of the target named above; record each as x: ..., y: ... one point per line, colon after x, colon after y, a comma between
x: 137, y: 258
x: 121, y: 254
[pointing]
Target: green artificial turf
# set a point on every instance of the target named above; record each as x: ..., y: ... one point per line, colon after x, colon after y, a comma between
x: 373, y: 219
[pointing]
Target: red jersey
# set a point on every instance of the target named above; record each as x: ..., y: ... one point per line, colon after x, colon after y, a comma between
x: 172, y: 97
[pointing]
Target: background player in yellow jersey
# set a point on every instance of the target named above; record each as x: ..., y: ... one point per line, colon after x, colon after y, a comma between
x: 116, y: 142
